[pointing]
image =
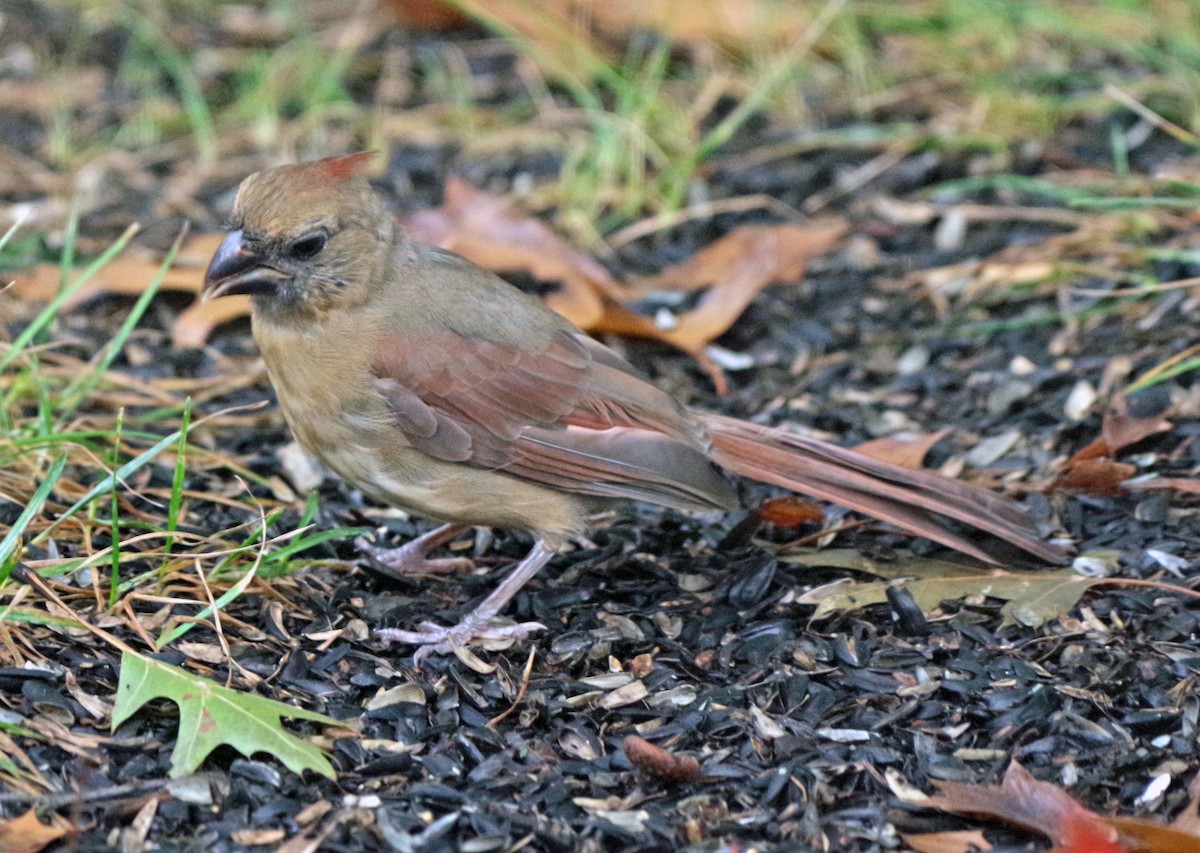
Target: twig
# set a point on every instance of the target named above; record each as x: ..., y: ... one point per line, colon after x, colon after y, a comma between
x: 117, y: 792
x: 494, y: 721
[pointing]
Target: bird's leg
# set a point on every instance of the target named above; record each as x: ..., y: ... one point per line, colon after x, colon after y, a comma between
x: 434, y: 638
x: 410, y: 558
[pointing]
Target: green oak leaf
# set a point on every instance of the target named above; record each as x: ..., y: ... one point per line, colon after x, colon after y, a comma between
x: 211, y: 715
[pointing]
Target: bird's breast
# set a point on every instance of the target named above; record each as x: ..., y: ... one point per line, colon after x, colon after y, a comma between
x: 327, y: 391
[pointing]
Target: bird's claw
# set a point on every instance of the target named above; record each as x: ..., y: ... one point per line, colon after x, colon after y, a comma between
x: 431, y: 638
x: 412, y: 561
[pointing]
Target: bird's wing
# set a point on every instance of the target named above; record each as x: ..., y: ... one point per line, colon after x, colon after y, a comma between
x: 566, y: 413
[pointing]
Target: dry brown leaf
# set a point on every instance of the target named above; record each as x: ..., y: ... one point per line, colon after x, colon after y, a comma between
x: 738, y: 266
x: 1120, y: 429
x: 427, y: 15
x: 960, y: 841
x: 128, y: 274
x: 1097, y: 448
x: 907, y: 449
x: 131, y: 273
x: 26, y: 834
x: 1041, y: 807
x: 1024, y: 801
x: 1154, y: 837
x: 790, y: 511
x: 656, y: 762
x: 739, y: 26
x: 196, y: 323
x: 1189, y: 485
x: 487, y: 230
x: 1092, y: 470
x: 1096, y: 476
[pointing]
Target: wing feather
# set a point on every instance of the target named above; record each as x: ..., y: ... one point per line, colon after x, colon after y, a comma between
x: 569, y: 414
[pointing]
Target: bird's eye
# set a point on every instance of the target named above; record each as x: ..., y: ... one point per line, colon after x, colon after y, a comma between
x: 308, y: 246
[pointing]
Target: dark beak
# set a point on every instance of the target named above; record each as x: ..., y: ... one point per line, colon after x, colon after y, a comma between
x: 236, y: 269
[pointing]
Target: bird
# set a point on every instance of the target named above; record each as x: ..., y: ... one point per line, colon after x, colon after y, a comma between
x: 434, y: 386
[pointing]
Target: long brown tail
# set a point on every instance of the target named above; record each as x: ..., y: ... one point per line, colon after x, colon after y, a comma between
x: 918, y: 501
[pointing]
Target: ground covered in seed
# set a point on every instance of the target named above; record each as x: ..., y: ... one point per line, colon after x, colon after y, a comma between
x: 690, y: 633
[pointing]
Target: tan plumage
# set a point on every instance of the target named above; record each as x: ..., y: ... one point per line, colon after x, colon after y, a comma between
x: 436, y: 386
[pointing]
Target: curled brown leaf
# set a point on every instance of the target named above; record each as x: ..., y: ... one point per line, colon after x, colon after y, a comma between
x: 656, y: 762
x: 907, y: 449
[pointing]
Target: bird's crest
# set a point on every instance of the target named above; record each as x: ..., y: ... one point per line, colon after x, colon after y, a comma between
x: 343, y: 168
x: 286, y: 201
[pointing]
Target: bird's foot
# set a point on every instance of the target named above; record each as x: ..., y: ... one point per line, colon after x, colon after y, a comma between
x: 431, y: 638
x: 411, y: 558
x: 477, y: 626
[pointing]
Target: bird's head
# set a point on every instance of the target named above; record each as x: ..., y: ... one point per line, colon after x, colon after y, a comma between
x: 303, y: 236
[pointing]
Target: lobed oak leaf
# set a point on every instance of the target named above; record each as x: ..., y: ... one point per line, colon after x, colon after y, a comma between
x: 211, y: 715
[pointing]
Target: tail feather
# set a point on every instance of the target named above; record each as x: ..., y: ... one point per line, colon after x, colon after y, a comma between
x: 918, y: 501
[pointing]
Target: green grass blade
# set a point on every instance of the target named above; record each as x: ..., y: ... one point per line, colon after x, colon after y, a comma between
x: 12, y: 229
x: 310, y: 509
x: 177, y: 483
x: 182, y: 72
x: 114, y: 580
x: 47, y: 314
x: 78, y: 389
x: 111, y: 480
x: 274, y: 564
x: 1185, y: 366
x: 8, y: 545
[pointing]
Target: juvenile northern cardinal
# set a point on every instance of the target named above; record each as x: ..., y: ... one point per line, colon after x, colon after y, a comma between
x: 433, y: 385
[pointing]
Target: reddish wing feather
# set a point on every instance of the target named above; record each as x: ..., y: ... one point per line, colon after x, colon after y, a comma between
x: 546, y: 416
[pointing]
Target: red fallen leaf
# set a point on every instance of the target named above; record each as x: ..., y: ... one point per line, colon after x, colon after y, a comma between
x: 904, y: 448
x: 790, y: 511
x: 1024, y: 801
x: 1098, y: 476
x: 1092, y: 470
x: 1120, y: 429
x: 1087, y: 832
x: 1096, y: 449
